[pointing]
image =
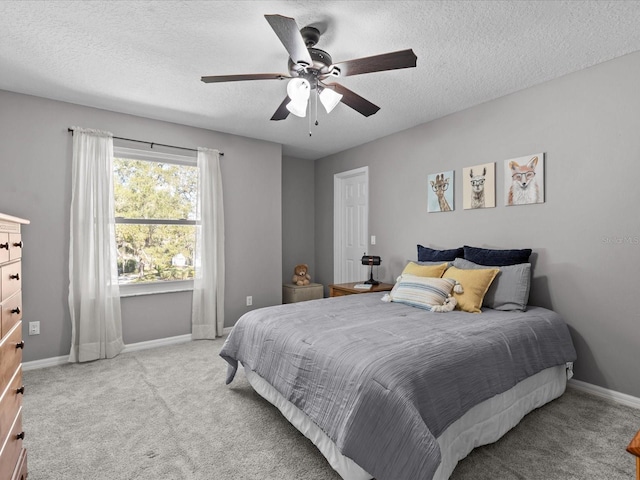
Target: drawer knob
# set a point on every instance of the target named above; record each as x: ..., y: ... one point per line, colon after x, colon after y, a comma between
x: 20, y: 436
x: 14, y: 277
x: 16, y: 310
x: 4, y: 245
x: 20, y: 390
x: 18, y: 244
x: 20, y: 345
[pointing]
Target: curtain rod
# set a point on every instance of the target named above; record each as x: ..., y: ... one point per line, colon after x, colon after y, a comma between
x: 152, y: 143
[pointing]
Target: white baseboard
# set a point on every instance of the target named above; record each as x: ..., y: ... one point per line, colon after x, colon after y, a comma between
x: 160, y: 342
x: 605, y: 393
x: 45, y: 362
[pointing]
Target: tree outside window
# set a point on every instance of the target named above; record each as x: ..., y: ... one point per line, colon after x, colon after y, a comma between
x: 155, y: 209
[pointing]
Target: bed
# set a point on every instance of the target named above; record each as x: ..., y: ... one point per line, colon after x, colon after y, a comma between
x: 402, y: 386
x: 390, y: 391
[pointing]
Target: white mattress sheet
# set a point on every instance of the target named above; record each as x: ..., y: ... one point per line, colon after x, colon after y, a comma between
x: 483, y: 424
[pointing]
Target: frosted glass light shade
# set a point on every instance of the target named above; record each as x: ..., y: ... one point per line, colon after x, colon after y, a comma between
x: 299, y: 109
x: 298, y: 90
x: 329, y: 99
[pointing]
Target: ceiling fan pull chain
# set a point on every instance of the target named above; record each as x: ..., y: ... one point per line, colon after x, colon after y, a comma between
x: 317, y: 95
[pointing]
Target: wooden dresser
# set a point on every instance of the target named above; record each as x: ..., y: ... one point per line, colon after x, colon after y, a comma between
x: 13, y: 456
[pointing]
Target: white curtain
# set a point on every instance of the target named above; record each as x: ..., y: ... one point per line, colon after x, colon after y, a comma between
x: 94, y: 296
x: 207, y: 313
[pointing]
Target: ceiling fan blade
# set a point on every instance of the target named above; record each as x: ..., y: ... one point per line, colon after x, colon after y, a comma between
x: 353, y: 100
x: 282, y: 112
x: 289, y: 34
x: 249, y: 76
x: 378, y: 63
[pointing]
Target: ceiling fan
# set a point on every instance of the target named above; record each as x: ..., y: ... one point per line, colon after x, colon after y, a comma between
x: 311, y: 68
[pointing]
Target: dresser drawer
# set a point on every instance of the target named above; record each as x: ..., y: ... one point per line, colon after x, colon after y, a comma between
x: 11, y: 313
x: 10, y: 355
x: 20, y: 472
x: 4, y: 247
x: 15, y: 246
x: 10, y: 405
x: 10, y: 453
x: 10, y: 280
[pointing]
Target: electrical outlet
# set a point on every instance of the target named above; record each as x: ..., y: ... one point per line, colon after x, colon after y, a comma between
x: 249, y: 301
x: 373, y: 239
x: 34, y: 328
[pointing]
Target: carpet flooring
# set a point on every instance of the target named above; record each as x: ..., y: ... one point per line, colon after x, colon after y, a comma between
x: 165, y: 413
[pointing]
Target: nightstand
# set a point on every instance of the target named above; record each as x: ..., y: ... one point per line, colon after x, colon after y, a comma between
x: 293, y: 293
x: 341, y: 289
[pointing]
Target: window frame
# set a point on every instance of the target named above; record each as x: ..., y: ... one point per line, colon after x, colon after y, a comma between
x: 158, y: 286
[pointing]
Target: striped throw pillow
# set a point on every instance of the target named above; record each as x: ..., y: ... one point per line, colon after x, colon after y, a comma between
x: 421, y: 292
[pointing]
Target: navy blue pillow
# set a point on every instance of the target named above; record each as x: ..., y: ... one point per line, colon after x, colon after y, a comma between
x: 496, y: 258
x: 426, y: 254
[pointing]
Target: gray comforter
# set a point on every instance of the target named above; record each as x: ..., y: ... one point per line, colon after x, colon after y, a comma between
x: 384, y: 380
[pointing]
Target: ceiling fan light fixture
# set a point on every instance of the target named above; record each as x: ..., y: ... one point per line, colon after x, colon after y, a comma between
x: 329, y: 99
x: 298, y: 108
x: 298, y: 90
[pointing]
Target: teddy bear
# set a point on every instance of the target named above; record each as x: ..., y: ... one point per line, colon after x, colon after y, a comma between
x: 301, y: 275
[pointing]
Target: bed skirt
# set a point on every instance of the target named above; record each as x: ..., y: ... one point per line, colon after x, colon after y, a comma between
x: 483, y: 424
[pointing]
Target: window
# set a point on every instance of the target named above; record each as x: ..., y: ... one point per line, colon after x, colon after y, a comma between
x: 155, y: 210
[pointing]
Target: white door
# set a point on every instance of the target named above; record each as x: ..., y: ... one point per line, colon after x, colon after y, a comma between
x: 351, y: 224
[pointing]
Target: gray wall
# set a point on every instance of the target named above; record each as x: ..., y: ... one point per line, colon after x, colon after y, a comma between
x: 586, y: 236
x: 35, y: 171
x: 298, y: 233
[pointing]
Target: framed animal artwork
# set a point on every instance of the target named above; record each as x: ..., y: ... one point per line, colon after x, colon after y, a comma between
x: 479, y: 186
x: 440, y: 192
x: 524, y: 180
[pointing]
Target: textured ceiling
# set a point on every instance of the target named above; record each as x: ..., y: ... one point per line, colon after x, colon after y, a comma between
x: 146, y: 58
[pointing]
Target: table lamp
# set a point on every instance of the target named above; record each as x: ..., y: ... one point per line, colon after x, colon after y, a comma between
x: 371, y: 260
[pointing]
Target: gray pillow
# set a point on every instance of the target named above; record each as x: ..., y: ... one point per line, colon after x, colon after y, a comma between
x: 509, y: 290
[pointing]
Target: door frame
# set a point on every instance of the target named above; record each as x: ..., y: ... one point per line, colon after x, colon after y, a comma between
x: 339, y: 216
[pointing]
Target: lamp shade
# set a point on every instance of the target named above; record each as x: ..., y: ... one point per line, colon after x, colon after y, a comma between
x: 370, y: 260
x: 299, y: 109
x: 298, y: 90
x: 329, y: 99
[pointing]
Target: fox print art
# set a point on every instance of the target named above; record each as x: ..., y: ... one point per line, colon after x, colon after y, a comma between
x: 524, y: 184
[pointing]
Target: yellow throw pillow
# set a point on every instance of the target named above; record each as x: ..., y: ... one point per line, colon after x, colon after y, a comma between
x: 475, y: 284
x: 434, y: 271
